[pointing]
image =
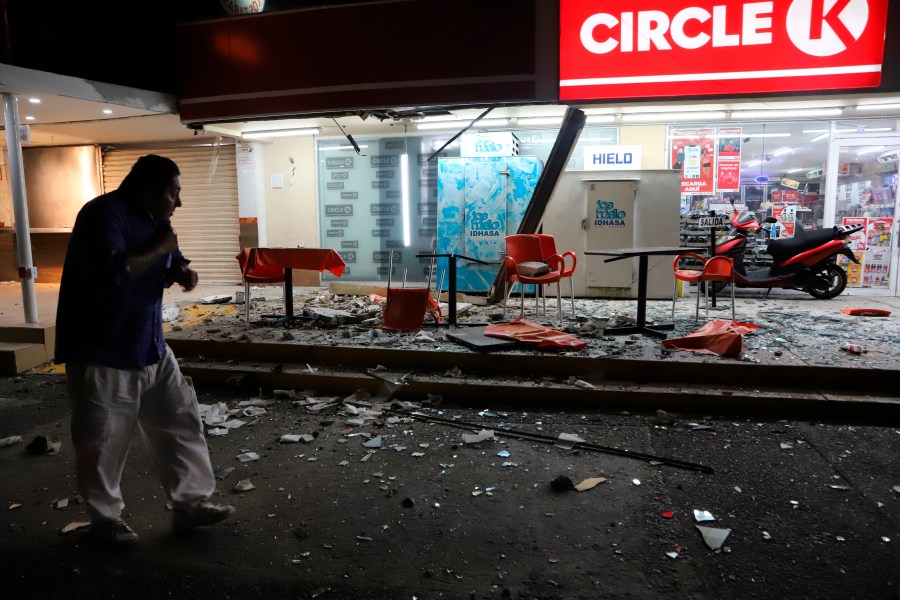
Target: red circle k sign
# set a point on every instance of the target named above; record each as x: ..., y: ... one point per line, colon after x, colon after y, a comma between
x: 665, y: 48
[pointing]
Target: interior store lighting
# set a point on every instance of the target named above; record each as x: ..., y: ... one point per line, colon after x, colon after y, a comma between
x: 404, y: 194
x: 107, y: 111
x: 821, y: 136
x: 780, y: 113
x: 888, y: 106
x: 870, y: 150
x: 34, y: 100
x: 275, y: 133
x: 591, y: 119
x: 752, y: 163
x: 531, y: 121
x: 460, y: 123
x: 29, y: 118
x: 783, y: 151
x: 675, y: 116
x: 347, y: 147
x: 849, y: 130
x: 767, y: 135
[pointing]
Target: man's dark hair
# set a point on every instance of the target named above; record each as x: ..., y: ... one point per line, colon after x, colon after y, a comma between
x: 151, y: 173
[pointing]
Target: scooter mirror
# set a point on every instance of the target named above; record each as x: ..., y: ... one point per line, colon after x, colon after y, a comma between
x: 770, y: 220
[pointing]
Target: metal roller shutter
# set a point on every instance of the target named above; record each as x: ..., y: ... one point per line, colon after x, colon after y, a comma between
x: 207, y: 224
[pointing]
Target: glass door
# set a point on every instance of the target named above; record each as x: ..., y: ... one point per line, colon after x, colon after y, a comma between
x: 861, y: 188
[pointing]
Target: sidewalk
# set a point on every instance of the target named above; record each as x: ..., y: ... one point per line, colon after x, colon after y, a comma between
x: 794, y: 328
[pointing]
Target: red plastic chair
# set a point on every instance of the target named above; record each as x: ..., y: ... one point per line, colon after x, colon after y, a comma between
x: 259, y: 274
x: 527, y: 249
x: 548, y: 251
x: 404, y: 309
x: 687, y: 276
x: 717, y: 268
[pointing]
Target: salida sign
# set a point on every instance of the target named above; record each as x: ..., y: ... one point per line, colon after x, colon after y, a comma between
x: 646, y: 48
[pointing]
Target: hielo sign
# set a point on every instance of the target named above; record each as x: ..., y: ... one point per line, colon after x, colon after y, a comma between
x: 643, y: 47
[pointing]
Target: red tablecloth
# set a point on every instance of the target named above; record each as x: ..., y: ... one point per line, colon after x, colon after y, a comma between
x: 263, y: 262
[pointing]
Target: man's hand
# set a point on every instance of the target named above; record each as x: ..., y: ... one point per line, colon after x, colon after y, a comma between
x: 186, y: 278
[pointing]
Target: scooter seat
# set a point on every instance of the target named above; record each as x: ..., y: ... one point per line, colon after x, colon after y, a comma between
x: 781, y: 250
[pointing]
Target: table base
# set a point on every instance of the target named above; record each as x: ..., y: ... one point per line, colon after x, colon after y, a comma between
x: 653, y: 330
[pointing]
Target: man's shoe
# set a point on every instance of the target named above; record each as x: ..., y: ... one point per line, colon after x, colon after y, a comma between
x: 112, y: 531
x: 199, y: 515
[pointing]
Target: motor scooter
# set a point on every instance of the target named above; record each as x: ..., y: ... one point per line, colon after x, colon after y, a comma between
x: 805, y: 262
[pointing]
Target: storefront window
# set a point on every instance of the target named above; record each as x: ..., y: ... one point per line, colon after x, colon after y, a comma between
x: 771, y: 169
x: 867, y: 195
x: 366, y: 212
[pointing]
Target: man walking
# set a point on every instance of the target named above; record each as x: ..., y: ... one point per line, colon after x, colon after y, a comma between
x: 121, y: 373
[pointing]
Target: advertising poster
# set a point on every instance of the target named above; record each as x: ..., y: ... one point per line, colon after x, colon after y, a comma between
x: 787, y: 217
x: 728, y: 159
x: 858, y: 246
x: 729, y: 142
x: 872, y: 246
x: 729, y: 176
x: 694, y: 154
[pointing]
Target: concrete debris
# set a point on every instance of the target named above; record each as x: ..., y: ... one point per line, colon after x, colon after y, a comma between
x: 562, y: 484
x: 453, y: 372
x: 665, y: 418
x: 255, y: 402
x: 221, y: 474
x: 580, y: 383
x: 248, y: 457
x: 217, y: 299
x: 244, y: 485
x: 217, y: 431
x: 589, y: 483
x: 9, y: 441
x: 330, y: 316
x: 291, y: 438
x: 253, y: 411
x: 170, y: 313
x: 41, y: 445
x: 483, y: 435
x: 567, y: 441
x: 74, y: 526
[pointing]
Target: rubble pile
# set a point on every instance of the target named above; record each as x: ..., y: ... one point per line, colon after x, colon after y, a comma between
x: 792, y: 328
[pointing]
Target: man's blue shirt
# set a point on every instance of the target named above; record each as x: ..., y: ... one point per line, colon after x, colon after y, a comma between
x: 105, y: 314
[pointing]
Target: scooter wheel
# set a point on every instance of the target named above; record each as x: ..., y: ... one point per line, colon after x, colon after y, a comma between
x: 826, y: 282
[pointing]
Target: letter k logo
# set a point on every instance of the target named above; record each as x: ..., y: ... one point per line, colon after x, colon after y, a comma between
x: 826, y: 27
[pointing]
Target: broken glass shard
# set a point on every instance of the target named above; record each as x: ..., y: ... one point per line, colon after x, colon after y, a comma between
x: 375, y: 442
x: 703, y: 515
x: 244, y: 485
x: 223, y: 473
x: 672, y: 555
x: 503, y: 454
x: 474, y: 438
x: 567, y: 441
x: 713, y: 536
x: 248, y: 456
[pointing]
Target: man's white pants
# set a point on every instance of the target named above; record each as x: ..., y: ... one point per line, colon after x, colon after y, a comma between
x: 108, y: 403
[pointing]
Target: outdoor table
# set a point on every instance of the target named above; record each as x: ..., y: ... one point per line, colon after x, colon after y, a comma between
x: 451, y: 300
x: 642, y: 254
x: 262, y: 260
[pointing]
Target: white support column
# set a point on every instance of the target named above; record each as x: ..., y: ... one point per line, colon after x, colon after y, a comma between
x: 27, y: 272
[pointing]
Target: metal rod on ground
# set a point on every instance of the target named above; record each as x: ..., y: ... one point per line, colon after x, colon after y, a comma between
x: 672, y: 462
